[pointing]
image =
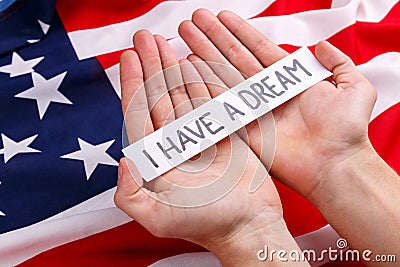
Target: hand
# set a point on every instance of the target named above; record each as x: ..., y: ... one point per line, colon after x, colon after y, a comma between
x: 239, y: 222
x: 315, y: 131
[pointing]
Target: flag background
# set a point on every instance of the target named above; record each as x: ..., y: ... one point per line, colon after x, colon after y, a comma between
x: 53, y: 211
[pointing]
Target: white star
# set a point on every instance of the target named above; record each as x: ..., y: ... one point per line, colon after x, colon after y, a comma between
x: 92, y: 155
x: 32, y: 41
x: 19, y: 66
x: 12, y: 148
x: 45, y: 91
x: 45, y: 28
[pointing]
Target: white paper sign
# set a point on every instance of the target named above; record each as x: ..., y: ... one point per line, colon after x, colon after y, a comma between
x: 199, y: 129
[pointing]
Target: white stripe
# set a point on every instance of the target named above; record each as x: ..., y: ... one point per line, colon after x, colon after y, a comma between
x: 318, y: 240
x: 313, y: 26
x: 17, y: 247
x: 89, y: 217
x: 101, y: 201
x: 280, y: 29
x: 33, y: 240
x: 383, y: 72
x: 163, y: 19
x: 195, y: 259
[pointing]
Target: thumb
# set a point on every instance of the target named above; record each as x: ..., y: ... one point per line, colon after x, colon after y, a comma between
x: 345, y: 73
x: 129, y: 179
x: 130, y: 197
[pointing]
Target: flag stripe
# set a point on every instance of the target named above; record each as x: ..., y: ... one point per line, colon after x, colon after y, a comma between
x: 284, y: 7
x: 386, y: 80
x: 102, y: 40
x: 364, y: 41
x: 370, y: 37
x: 384, y: 134
x: 279, y: 7
x: 305, y: 242
x: 140, y: 244
x: 140, y: 249
x: 280, y: 29
x: 89, y: 43
x: 81, y: 15
x: 32, y: 240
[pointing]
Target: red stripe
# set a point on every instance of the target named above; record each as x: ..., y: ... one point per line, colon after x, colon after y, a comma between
x: 286, y: 7
x: 300, y: 215
x: 279, y: 7
x: 361, y: 41
x: 127, y: 245
x: 384, y: 133
x: 364, y: 41
x: 87, y: 14
x: 110, y: 59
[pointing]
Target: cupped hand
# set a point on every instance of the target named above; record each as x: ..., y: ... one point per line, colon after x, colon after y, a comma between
x: 315, y: 131
x: 157, y: 89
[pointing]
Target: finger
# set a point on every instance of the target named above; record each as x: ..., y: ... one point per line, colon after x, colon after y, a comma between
x: 173, y: 78
x: 345, y: 73
x: 260, y: 46
x: 135, y: 200
x: 133, y: 97
x: 229, y: 45
x: 203, y: 47
x: 214, y: 84
x: 216, y: 87
x: 158, y: 99
x: 195, y: 86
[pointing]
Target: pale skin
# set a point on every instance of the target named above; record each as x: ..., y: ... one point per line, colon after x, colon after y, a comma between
x: 236, y: 226
x: 322, y: 150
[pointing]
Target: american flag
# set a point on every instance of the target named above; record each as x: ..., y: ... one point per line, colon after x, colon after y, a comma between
x: 61, y: 121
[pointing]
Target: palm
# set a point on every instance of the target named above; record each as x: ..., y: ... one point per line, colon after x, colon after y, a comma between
x: 304, y: 138
x: 180, y: 203
x: 227, y: 177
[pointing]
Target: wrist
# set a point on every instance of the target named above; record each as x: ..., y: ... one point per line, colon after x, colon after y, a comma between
x: 339, y: 174
x: 359, y: 194
x: 252, y: 244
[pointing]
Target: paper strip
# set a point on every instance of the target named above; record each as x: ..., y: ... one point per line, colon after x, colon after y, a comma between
x: 199, y: 129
